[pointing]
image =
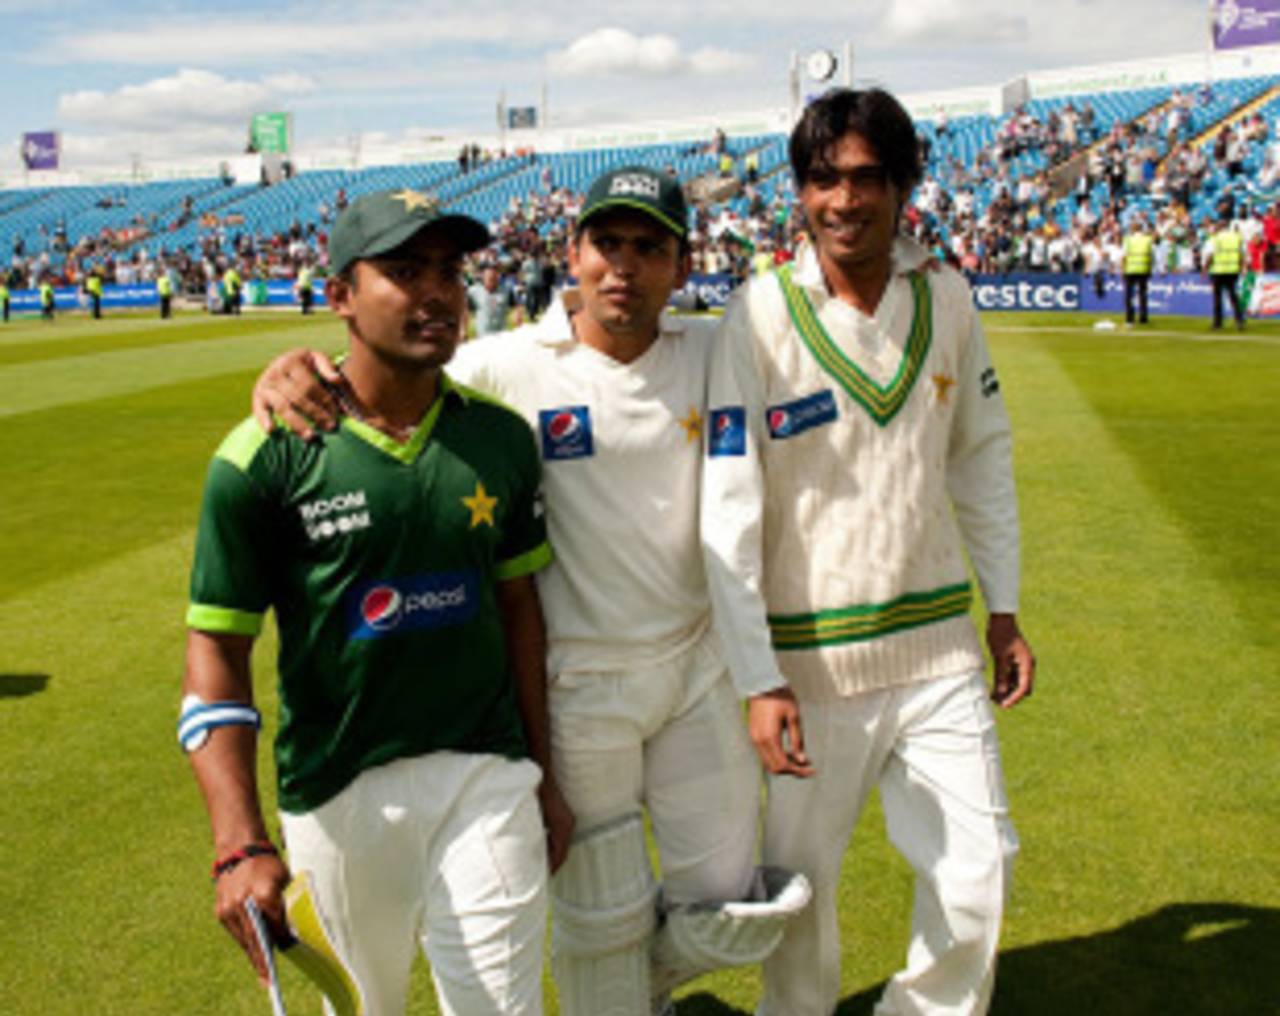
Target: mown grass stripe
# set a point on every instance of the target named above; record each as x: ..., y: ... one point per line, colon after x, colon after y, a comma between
x: 136, y: 335
x: 32, y: 387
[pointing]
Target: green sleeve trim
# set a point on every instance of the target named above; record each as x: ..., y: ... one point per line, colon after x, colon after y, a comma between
x: 242, y: 444
x: 223, y: 620
x: 525, y: 564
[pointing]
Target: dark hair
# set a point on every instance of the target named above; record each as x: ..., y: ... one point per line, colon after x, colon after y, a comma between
x: 873, y: 114
x: 684, y: 248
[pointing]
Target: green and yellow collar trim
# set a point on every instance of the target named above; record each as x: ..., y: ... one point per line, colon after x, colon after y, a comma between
x: 882, y: 403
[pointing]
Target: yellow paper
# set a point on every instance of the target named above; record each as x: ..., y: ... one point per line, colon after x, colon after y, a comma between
x: 313, y: 952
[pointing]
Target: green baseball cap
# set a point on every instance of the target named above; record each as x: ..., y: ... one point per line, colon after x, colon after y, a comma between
x: 643, y: 188
x: 381, y: 221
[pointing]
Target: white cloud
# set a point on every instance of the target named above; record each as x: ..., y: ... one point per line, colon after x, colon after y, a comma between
x: 952, y: 21
x: 617, y: 51
x: 196, y: 144
x: 189, y: 97
x: 367, y: 30
x: 291, y: 83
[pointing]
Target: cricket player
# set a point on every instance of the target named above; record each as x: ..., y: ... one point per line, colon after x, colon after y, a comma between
x: 643, y: 715
x: 398, y: 553
x: 859, y: 449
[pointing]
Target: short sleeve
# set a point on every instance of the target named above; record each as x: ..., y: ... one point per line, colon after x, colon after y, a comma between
x: 230, y: 587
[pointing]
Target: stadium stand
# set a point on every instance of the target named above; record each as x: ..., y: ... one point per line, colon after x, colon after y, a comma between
x: 1049, y: 186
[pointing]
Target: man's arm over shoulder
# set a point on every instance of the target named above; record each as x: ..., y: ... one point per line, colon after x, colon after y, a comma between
x: 494, y: 364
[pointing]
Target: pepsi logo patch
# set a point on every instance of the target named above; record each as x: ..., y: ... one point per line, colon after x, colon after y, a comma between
x: 381, y: 607
x: 727, y: 433
x: 432, y: 600
x: 566, y: 433
x: 791, y: 418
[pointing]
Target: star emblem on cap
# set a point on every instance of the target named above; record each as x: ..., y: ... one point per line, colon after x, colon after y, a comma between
x: 942, y: 384
x: 692, y: 424
x: 481, y: 504
x: 413, y: 199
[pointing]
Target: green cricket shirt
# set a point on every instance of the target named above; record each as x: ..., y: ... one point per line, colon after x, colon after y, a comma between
x: 380, y: 560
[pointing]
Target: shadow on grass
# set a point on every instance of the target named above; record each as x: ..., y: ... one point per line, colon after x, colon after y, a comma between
x: 21, y: 685
x: 1195, y: 959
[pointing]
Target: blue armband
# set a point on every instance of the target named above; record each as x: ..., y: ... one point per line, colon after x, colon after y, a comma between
x: 197, y: 717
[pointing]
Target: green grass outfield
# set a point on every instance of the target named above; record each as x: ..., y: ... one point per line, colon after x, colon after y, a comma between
x: 1144, y: 774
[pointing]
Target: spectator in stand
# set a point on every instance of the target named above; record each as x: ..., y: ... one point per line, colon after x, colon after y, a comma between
x: 489, y: 301
x: 531, y: 285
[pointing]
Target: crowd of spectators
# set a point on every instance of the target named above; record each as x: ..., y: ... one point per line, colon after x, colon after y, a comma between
x: 985, y: 217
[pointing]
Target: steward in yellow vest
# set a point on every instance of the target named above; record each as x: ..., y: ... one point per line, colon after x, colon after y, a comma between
x: 305, y: 288
x: 1225, y: 264
x: 1138, y: 247
x: 164, y: 289
x: 232, y: 285
x: 4, y: 300
x: 93, y: 286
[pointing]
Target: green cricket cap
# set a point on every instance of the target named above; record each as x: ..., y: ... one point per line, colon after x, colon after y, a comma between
x: 379, y: 222
x: 648, y: 190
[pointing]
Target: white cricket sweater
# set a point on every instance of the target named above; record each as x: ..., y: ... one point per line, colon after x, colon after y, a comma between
x: 848, y: 471
x: 621, y: 449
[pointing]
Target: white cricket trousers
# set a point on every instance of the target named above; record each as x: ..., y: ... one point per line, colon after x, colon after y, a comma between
x: 931, y: 748
x: 669, y: 737
x: 446, y: 849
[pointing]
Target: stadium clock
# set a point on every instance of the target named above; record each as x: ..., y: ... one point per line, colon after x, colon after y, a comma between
x: 820, y: 64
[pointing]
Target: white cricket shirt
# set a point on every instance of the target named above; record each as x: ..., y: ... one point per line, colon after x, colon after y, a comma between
x: 621, y: 449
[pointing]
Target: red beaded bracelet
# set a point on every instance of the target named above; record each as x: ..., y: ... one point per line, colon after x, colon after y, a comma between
x: 225, y: 864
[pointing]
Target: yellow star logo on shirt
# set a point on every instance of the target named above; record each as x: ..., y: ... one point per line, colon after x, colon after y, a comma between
x: 692, y: 424
x: 942, y: 384
x: 481, y: 505
x: 413, y: 199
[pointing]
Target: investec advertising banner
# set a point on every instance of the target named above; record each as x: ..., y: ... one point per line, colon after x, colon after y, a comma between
x: 1027, y: 291
x: 1240, y: 23
x: 1191, y: 295
x: 40, y: 149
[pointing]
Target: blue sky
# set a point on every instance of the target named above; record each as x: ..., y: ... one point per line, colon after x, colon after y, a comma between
x: 169, y: 79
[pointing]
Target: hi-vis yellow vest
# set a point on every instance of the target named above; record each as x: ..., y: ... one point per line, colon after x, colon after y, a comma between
x: 1228, y: 253
x: 1137, y: 254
